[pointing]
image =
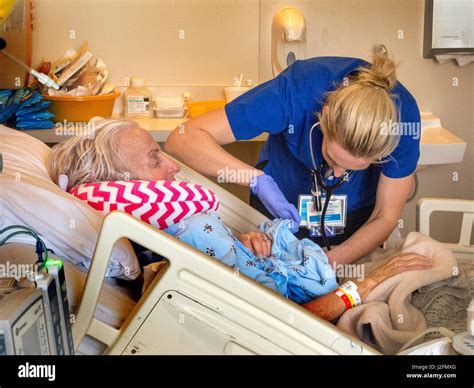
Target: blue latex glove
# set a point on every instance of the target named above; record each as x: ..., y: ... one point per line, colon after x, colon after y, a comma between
x: 266, y: 189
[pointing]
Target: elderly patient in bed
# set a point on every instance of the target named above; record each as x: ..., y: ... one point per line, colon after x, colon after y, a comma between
x: 297, y: 269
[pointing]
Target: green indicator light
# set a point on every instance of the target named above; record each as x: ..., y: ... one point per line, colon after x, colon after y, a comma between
x: 57, y: 263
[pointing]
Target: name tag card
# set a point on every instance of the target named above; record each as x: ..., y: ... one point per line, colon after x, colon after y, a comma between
x: 336, y: 213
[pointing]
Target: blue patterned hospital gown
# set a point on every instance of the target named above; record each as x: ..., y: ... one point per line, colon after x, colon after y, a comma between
x: 297, y: 269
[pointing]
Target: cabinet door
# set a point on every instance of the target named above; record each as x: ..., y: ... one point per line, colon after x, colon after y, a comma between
x: 179, y: 325
x: 17, y: 32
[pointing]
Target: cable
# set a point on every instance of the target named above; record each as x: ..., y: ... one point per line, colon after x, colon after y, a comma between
x: 2, y: 242
x: 40, y: 245
x: 19, y: 227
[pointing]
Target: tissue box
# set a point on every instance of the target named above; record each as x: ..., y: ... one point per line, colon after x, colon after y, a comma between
x: 170, y: 107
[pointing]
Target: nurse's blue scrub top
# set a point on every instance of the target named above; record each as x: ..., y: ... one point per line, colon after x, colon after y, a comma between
x: 286, y: 108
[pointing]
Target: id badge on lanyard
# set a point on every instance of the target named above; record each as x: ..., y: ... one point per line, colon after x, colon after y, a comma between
x: 334, y: 221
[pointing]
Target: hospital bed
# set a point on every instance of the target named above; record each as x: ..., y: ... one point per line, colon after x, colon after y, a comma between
x: 196, y: 305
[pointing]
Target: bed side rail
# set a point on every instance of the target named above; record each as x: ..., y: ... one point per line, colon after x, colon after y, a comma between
x: 426, y: 206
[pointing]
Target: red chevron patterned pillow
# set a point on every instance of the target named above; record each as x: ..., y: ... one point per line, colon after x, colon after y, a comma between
x: 158, y: 203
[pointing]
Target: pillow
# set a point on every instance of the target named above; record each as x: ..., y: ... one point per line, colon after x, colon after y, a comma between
x: 158, y: 203
x: 29, y: 197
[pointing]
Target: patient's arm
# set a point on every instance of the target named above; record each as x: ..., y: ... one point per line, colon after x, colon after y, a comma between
x: 330, y: 306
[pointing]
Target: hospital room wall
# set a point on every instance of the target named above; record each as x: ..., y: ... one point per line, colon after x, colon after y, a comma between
x: 223, y: 38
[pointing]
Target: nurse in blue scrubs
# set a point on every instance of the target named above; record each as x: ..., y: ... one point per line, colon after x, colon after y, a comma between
x: 356, y: 117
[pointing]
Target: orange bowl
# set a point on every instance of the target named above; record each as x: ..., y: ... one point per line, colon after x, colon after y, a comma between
x: 81, y: 109
x: 199, y: 107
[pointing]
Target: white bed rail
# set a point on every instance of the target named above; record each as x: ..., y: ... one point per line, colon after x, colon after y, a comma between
x: 426, y: 206
x: 211, y: 283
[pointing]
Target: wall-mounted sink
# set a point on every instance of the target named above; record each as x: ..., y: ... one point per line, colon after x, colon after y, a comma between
x: 437, y: 144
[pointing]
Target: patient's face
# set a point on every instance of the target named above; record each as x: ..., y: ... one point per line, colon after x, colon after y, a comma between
x: 144, y: 157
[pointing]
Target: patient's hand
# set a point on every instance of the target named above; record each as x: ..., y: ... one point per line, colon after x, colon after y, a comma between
x: 403, y: 262
x: 258, y: 243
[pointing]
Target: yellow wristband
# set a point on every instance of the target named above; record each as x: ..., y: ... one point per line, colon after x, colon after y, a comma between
x: 350, y: 289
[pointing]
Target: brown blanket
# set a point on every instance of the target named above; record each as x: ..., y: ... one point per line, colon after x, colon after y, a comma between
x: 387, y: 319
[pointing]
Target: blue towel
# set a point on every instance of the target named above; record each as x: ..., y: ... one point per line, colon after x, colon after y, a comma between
x: 297, y: 269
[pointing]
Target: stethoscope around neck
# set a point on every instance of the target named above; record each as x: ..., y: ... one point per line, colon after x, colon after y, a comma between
x: 319, y: 185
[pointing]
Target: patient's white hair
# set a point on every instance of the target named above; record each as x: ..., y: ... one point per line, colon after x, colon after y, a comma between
x: 91, y: 157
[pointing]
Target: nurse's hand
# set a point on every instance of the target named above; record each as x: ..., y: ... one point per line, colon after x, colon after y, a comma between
x: 266, y: 189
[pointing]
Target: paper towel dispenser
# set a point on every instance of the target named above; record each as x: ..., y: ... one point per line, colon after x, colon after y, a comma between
x: 448, y: 28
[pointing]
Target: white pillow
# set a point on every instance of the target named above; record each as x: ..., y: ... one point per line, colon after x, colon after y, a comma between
x: 29, y: 197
